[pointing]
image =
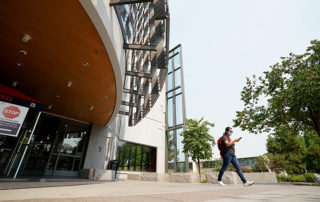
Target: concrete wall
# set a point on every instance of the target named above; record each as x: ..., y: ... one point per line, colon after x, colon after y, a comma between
x: 150, y: 131
x: 102, y: 145
x: 265, y: 177
x: 233, y: 178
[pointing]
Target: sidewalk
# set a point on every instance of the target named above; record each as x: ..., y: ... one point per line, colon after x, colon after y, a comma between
x: 135, y: 191
x: 36, y: 182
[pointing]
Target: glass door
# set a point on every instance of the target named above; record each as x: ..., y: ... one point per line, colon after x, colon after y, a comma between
x: 68, y: 150
x: 11, y: 148
x: 42, y: 142
x: 56, y: 148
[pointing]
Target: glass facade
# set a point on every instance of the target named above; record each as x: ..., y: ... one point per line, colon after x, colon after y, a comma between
x: 134, y: 157
x: 177, y: 160
x: 56, y: 148
x: 249, y: 161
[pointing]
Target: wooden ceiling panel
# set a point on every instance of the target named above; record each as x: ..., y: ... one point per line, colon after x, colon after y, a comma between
x: 63, y: 37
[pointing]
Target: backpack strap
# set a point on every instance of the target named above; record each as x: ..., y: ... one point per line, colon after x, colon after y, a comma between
x: 228, y: 138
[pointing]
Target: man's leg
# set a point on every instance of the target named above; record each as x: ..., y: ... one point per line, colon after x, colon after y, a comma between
x: 226, y: 161
x: 236, y: 164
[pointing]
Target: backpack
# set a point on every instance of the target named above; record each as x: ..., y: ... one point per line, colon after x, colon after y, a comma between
x: 221, y: 145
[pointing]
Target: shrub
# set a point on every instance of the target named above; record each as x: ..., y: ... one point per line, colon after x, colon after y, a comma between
x: 246, y: 169
x: 310, y: 177
x: 283, y: 178
x: 204, y: 181
x: 307, y: 177
x: 218, y: 165
x: 260, y: 165
x: 297, y: 178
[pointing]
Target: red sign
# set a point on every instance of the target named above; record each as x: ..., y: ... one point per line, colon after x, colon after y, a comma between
x: 11, y: 112
x: 6, y: 97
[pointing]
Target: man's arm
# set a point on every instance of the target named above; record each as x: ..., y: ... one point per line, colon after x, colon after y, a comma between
x: 228, y: 144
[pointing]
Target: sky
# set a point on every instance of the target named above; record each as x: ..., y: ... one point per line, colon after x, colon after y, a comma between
x: 223, y: 42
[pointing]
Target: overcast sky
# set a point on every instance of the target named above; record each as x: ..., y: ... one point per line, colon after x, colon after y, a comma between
x: 226, y: 41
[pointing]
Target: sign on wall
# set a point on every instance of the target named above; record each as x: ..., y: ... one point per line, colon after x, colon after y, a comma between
x: 11, y: 118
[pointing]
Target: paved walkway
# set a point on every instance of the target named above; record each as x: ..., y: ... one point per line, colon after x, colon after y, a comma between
x: 36, y: 182
x: 134, y: 191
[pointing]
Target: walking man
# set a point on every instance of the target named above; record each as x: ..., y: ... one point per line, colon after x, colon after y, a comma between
x: 229, y: 156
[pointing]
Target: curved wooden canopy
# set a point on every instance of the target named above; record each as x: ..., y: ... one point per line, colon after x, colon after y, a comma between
x: 64, y: 65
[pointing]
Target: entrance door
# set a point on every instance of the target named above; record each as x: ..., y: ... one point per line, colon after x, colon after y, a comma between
x: 67, y: 153
x: 55, y: 149
x: 38, y: 154
x: 11, y: 148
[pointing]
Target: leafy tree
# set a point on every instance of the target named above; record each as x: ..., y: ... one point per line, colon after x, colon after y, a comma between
x: 197, y: 142
x: 286, y: 144
x: 277, y: 162
x: 292, y: 90
x: 260, y: 165
x: 312, y: 156
x: 289, y: 151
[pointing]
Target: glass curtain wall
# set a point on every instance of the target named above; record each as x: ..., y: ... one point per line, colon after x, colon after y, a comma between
x: 56, y: 148
x: 176, y: 114
x: 134, y: 157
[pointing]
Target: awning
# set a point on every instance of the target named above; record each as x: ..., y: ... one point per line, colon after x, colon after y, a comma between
x: 14, y: 96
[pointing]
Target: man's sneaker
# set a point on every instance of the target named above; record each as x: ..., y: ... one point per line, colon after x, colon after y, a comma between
x: 221, y: 183
x: 248, y: 183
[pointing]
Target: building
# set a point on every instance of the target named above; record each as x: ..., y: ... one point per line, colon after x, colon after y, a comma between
x: 83, y: 82
x: 243, y: 162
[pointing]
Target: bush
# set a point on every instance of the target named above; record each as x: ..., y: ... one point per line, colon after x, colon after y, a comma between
x: 310, y: 177
x: 297, y: 178
x: 283, y: 178
x: 260, y: 165
x: 218, y: 165
x: 307, y: 177
x: 246, y: 169
x: 204, y: 181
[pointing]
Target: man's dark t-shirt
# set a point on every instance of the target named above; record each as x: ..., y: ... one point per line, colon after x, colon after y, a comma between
x: 229, y: 150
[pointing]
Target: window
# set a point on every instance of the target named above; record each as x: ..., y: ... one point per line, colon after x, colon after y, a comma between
x: 170, y: 81
x: 177, y: 160
x: 177, y: 77
x: 170, y: 145
x: 170, y: 112
x: 179, y: 110
x: 136, y: 157
x: 170, y: 66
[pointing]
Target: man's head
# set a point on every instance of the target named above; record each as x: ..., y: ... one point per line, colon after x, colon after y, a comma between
x: 228, y: 131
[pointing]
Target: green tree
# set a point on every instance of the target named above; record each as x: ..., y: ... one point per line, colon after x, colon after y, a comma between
x: 312, y: 156
x: 286, y: 145
x: 277, y: 162
x: 292, y: 92
x: 260, y: 165
x: 197, y: 142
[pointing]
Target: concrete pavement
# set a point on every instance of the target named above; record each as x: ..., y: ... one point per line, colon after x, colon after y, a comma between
x: 36, y: 182
x: 135, y: 191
